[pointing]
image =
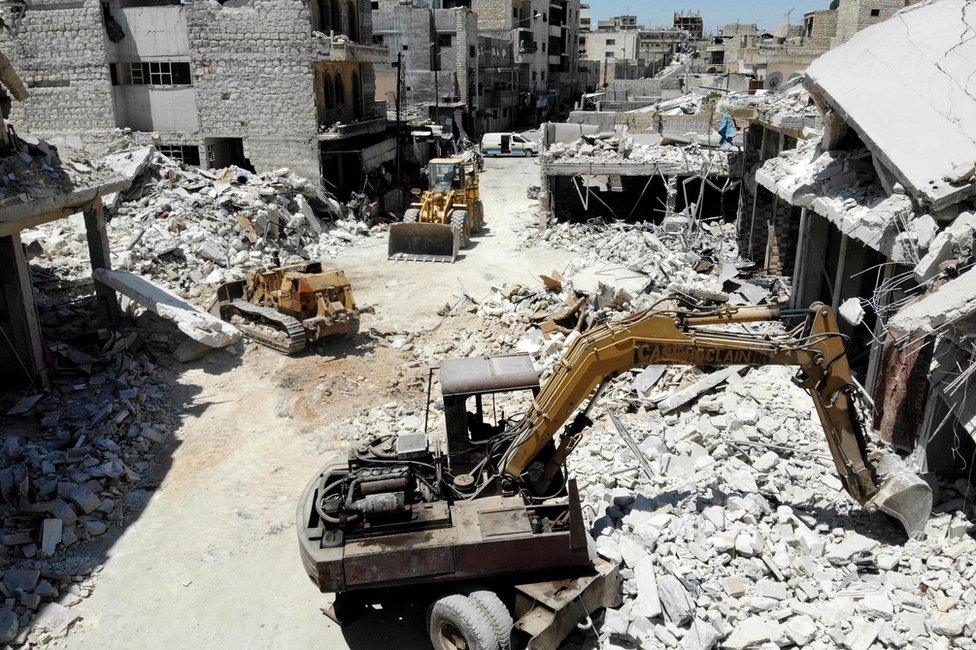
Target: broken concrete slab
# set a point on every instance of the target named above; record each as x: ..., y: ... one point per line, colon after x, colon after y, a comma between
x: 648, y: 601
x: 50, y: 536
x: 921, y: 64
x: 953, y: 303
x: 675, y: 600
x: 197, y: 324
x: 702, y: 386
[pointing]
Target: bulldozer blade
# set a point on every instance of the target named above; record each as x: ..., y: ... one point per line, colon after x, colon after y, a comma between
x: 423, y: 242
x: 903, y: 494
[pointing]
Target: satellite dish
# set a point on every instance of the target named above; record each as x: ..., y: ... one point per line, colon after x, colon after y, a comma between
x: 773, y: 81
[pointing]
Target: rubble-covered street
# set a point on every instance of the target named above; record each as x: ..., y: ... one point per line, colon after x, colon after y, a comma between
x: 316, y: 334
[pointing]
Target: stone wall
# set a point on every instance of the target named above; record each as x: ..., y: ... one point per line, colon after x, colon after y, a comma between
x: 251, y: 65
x: 59, y: 51
x: 855, y: 15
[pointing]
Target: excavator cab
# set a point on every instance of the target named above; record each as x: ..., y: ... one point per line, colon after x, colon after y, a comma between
x: 471, y: 389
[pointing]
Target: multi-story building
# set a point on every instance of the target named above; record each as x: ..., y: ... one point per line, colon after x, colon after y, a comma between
x: 263, y: 84
x: 437, y: 50
x: 631, y: 50
x: 617, y: 23
x: 855, y: 15
x: 691, y: 22
x: 544, y: 36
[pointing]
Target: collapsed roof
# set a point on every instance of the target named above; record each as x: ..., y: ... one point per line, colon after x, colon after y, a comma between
x: 919, y: 64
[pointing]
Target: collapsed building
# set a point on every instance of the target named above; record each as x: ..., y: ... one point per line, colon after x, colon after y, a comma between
x: 261, y: 84
x: 878, y: 221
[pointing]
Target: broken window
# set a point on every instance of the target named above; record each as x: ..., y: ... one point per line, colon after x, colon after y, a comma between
x: 353, y: 32
x: 321, y: 14
x: 151, y: 73
x: 187, y: 154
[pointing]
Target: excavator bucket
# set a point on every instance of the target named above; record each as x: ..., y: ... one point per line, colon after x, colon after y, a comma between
x: 902, y: 494
x: 423, y: 242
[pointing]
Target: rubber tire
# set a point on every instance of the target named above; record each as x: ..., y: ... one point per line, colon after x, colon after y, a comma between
x: 475, y: 227
x: 459, y: 222
x: 465, y: 616
x: 499, y: 618
x: 412, y: 215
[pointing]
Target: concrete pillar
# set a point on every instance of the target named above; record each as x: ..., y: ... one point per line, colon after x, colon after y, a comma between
x: 813, y: 273
x: 799, y: 264
x: 839, y: 276
x: 24, y: 333
x: 101, y: 258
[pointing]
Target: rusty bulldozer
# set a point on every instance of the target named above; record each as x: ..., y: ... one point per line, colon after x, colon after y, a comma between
x: 440, y: 221
x: 288, y: 307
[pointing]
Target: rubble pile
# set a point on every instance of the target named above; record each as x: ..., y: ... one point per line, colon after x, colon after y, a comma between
x: 192, y: 229
x: 742, y: 534
x: 609, y: 147
x: 69, y: 458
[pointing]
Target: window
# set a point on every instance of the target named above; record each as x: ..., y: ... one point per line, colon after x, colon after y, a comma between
x: 353, y: 32
x: 875, y: 13
x: 608, y: 55
x: 611, y: 41
x: 543, y: 75
x: 340, y: 91
x: 377, y: 39
x: 445, y: 40
x: 374, y: 5
x: 471, y: 52
x: 545, y: 18
x: 406, y: 47
x: 187, y: 154
x: 328, y: 93
x: 534, y: 74
x: 151, y: 73
x: 543, y: 48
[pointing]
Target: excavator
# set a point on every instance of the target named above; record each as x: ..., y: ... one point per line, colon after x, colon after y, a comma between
x: 493, y: 504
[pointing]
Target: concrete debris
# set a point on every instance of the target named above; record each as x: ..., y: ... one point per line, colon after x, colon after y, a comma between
x: 190, y: 229
x: 610, y: 148
x: 198, y: 325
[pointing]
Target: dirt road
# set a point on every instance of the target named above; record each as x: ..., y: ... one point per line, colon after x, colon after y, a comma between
x: 209, y: 558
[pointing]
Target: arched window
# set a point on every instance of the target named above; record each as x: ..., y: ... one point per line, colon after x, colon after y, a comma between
x: 353, y: 32
x: 336, y: 25
x: 357, y: 96
x: 323, y: 16
x: 340, y: 91
x: 328, y: 92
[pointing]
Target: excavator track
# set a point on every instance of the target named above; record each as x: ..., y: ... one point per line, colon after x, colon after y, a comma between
x: 267, y: 326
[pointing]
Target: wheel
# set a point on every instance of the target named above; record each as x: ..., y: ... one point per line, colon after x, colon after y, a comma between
x: 411, y: 215
x: 478, y: 224
x: 460, y: 224
x: 498, y: 616
x: 457, y: 623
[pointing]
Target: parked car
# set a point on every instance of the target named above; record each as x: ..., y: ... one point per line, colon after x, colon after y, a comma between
x: 508, y: 144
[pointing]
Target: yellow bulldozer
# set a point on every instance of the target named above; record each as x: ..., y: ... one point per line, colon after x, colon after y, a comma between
x: 288, y: 307
x: 440, y: 221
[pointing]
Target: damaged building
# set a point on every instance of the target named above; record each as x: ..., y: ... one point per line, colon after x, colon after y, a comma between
x: 261, y: 84
x: 877, y: 221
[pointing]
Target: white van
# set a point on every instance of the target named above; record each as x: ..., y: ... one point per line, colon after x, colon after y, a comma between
x: 507, y: 144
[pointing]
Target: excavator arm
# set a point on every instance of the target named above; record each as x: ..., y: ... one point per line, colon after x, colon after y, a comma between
x: 682, y: 338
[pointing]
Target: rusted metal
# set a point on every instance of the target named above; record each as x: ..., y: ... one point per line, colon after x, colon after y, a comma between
x: 285, y: 307
x: 482, y: 375
x: 548, y: 611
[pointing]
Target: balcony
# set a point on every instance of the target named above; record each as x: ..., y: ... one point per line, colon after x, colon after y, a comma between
x: 340, y: 48
x: 342, y: 130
